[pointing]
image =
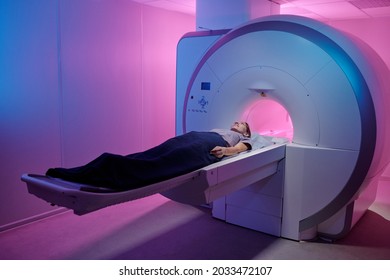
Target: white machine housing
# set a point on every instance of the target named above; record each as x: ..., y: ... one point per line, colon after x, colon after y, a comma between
x: 333, y: 88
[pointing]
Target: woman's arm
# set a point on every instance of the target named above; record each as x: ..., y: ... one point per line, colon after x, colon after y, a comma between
x: 219, y: 151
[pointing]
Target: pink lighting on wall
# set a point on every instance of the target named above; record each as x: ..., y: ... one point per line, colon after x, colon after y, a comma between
x: 79, y: 78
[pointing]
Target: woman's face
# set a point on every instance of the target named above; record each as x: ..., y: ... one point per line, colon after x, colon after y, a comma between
x: 240, y: 127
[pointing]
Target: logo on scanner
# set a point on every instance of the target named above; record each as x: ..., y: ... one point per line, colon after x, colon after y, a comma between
x: 203, y: 102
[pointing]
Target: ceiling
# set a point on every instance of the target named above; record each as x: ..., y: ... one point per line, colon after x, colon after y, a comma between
x: 336, y: 9
x: 184, y: 6
x: 319, y: 9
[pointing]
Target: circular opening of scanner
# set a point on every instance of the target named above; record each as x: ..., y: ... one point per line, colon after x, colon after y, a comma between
x: 268, y: 117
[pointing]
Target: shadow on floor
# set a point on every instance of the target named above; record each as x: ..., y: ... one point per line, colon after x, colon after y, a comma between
x: 199, y: 238
x: 372, y: 230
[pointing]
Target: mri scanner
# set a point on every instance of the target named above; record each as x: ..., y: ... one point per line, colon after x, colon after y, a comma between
x: 332, y: 90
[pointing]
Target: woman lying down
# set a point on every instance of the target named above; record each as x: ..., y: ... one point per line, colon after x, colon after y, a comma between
x: 174, y: 157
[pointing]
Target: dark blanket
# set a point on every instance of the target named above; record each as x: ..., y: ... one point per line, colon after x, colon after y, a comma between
x: 176, y: 156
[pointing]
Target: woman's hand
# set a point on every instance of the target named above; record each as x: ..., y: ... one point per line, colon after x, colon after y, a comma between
x: 218, y: 151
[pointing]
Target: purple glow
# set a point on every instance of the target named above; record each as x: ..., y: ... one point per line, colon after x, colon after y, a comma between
x: 79, y: 78
x: 117, y: 84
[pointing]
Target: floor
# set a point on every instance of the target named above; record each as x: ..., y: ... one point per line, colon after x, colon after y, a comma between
x: 157, y: 228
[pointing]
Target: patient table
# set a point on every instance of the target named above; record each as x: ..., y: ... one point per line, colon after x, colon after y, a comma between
x: 198, y: 187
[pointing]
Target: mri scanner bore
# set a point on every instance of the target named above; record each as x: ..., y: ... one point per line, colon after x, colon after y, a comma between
x: 289, y: 77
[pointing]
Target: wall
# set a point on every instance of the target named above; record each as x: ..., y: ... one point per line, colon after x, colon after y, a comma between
x: 372, y: 31
x: 78, y: 78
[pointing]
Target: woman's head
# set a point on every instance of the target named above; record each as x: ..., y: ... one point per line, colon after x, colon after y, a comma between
x: 241, y: 127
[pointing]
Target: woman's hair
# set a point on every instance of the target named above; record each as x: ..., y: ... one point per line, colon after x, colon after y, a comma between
x: 248, y: 130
